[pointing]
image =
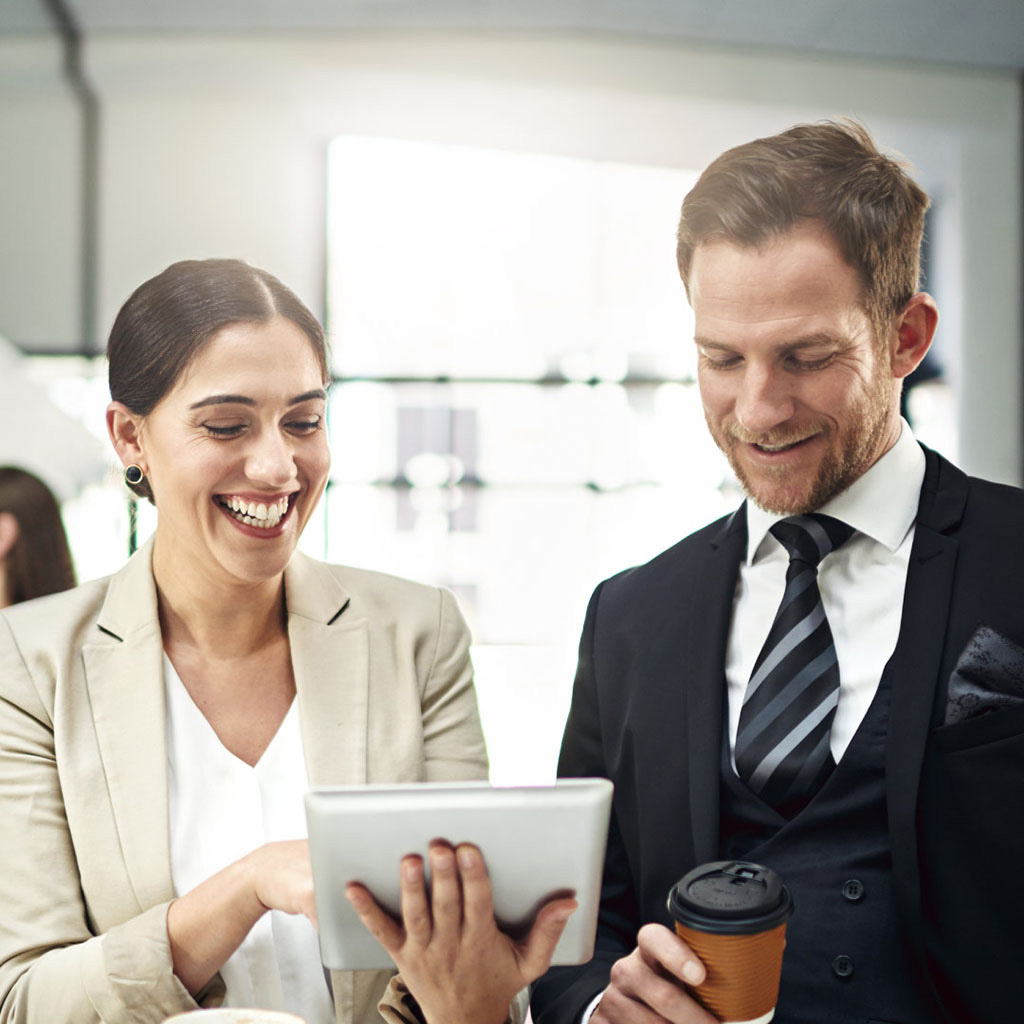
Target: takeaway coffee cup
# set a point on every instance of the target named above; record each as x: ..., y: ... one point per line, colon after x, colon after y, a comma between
x: 234, y: 1015
x: 733, y: 915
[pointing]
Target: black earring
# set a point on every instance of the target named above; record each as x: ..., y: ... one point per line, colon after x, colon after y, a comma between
x: 133, y: 475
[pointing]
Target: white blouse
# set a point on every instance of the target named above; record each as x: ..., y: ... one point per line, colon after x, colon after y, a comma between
x: 221, y: 809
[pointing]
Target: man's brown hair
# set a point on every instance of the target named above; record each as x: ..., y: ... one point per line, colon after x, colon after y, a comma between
x: 832, y: 172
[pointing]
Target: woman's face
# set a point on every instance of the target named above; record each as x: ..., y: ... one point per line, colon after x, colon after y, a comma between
x: 236, y: 454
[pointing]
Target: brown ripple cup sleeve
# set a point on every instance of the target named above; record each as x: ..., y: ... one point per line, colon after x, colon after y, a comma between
x: 733, y: 915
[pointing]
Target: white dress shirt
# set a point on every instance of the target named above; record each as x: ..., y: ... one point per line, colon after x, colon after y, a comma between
x: 861, y: 586
x: 221, y: 809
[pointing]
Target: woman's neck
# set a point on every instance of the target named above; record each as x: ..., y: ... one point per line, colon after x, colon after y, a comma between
x: 228, y: 619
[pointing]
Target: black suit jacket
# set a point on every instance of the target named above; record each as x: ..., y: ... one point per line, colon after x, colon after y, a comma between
x: 647, y: 713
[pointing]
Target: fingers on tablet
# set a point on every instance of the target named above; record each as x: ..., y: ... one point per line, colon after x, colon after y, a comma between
x: 545, y: 933
x: 413, y: 900
x: 478, y: 907
x: 446, y: 898
x: 380, y: 924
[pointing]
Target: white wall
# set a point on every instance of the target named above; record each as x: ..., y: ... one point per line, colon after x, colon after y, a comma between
x: 39, y: 197
x: 216, y: 147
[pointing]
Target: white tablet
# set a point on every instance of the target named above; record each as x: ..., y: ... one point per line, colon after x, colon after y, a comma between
x: 537, y: 841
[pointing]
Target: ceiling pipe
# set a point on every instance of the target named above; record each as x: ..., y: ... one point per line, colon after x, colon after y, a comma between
x: 71, y: 38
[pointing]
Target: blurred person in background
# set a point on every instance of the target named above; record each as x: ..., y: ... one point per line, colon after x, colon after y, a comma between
x: 159, y: 728
x: 34, y: 555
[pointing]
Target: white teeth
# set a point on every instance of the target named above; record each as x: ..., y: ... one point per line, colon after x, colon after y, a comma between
x: 777, y: 447
x: 256, y: 513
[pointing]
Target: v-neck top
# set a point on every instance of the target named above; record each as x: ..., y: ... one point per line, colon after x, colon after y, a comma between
x: 222, y: 809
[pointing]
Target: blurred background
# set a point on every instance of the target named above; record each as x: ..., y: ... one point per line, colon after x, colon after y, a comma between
x: 479, y: 198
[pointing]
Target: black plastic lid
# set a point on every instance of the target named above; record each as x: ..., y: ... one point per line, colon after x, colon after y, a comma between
x: 730, y: 897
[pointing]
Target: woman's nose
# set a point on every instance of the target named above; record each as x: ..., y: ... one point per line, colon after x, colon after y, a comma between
x: 271, y: 460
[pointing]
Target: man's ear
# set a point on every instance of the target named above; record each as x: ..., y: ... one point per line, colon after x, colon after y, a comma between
x: 8, y: 534
x: 912, y: 334
x: 125, y: 430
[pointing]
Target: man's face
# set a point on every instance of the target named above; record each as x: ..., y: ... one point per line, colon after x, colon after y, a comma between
x: 796, y: 392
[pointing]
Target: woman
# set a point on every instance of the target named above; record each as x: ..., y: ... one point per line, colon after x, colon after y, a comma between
x: 34, y: 555
x: 158, y: 728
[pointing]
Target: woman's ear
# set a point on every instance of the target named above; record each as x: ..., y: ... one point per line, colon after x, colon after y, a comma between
x: 125, y: 430
x: 914, y: 330
x: 8, y: 534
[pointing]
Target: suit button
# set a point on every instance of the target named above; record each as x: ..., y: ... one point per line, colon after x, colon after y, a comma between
x: 853, y: 890
x: 842, y: 966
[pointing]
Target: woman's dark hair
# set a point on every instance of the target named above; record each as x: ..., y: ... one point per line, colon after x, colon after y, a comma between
x: 168, y: 320
x: 39, y: 563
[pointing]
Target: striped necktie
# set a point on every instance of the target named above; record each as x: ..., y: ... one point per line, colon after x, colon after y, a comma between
x: 782, y: 743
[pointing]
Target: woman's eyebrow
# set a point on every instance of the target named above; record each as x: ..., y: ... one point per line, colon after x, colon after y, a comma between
x: 223, y: 400
x: 306, y: 396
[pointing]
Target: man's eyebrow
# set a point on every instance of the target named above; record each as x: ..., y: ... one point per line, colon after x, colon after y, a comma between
x: 807, y: 341
x: 306, y: 396
x: 708, y: 343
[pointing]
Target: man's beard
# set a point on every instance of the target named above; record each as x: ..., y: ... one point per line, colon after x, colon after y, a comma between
x: 836, y: 471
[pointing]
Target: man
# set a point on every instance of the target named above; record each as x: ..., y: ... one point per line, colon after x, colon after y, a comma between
x: 865, y: 738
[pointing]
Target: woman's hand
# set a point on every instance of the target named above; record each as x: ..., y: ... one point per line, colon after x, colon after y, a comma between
x: 282, y: 877
x: 457, y: 964
x: 207, y: 924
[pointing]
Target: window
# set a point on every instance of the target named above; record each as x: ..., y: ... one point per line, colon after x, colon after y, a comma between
x: 514, y: 414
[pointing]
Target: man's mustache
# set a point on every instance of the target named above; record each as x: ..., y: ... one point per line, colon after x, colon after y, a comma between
x: 771, y: 438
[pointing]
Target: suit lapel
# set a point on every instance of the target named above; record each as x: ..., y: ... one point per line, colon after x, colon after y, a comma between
x: 330, y: 658
x: 124, y: 678
x: 916, y: 663
x: 710, y: 596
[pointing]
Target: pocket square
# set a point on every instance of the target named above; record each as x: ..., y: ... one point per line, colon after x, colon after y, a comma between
x: 989, y: 676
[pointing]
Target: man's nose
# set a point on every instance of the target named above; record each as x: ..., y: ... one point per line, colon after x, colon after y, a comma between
x: 765, y: 400
x: 270, y: 459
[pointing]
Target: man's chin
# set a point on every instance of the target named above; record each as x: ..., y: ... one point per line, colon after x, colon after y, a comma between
x: 777, y: 498
x: 781, y: 507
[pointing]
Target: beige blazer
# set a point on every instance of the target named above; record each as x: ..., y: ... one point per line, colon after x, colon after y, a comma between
x: 385, y: 694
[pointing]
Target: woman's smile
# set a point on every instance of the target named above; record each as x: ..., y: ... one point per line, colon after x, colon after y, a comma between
x: 262, y: 513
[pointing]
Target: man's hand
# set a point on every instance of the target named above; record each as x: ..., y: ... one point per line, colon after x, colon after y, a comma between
x: 457, y: 964
x: 647, y: 986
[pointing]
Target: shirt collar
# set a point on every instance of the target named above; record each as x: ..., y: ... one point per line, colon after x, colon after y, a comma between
x: 881, y: 503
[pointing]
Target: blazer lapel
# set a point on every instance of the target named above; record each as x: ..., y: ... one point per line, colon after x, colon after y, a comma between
x: 710, y: 596
x: 916, y: 663
x: 331, y: 661
x: 124, y: 678
x: 330, y: 657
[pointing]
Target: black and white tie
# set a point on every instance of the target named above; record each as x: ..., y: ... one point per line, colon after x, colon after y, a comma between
x: 782, y: 743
